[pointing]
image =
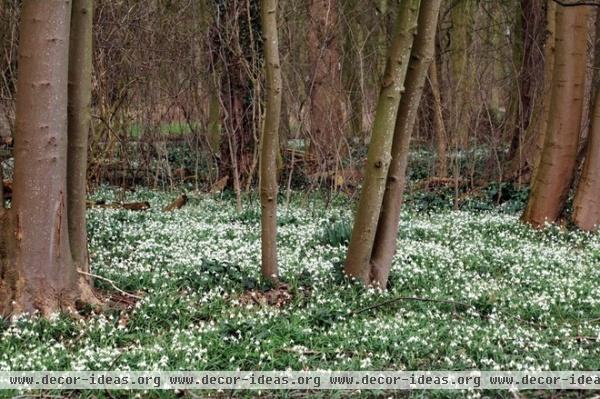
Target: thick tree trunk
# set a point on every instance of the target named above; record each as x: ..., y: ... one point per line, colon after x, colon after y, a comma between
x: 269, y: 146
x: 39, y: 273
x: 556, y: 168
x: 379, y: 154
x: 80, y: 96
x: 325, y: 83
x: 421, y: 58
x: 586, y: 212
x: 439, y: 126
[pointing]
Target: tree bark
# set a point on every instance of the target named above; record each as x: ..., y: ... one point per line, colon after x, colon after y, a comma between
x: 461, y: 86
x: 379, y: 153
x: 527, y: 160
x: 39, y: 273
x: 325, y: 84
x: 79, y: 119
x: 214, y: 122
x: 557, y: 164
x: 439, y: 127
x: 2, y: 199
x: 529, y: 32
x: 269, y: 147
x: 422, y: 55
x: 586, y: 214
x: 233, y: 46
x: 353, y: 70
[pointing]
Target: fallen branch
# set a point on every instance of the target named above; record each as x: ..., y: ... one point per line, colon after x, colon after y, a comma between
x: 109, y: 281
x: 408, y: 298
x: 131, y: 206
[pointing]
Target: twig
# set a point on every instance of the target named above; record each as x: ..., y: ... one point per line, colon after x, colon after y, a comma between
x: 408, y: 298
x: 112, y: 283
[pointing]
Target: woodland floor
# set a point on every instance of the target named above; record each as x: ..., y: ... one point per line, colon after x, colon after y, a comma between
x: 528, y: 299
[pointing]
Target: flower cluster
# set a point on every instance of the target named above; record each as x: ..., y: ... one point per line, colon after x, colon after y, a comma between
x: 506, y: 297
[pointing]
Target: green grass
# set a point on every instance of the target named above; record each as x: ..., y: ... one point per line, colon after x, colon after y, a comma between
x: 533, y: 297
x: 166, y: 129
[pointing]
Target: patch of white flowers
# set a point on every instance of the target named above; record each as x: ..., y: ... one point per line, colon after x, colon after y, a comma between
x: 532, y: 297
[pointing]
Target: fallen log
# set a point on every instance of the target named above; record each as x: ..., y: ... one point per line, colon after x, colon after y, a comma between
x: 130, y: 206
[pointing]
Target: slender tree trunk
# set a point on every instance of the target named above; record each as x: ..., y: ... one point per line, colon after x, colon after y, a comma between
x: 214, y: 122
x: 2, y: 204
x: 325, y: 83
x: 231, y: 38
x: 379, y: 154
x: 39, y: 272
x: 269, y: 147
x: 496, y: 32
x: 422, y: 55
x: 80, y: 96
x: 556, y: 168
x: 439, y: 127
x: 461, y: 16
x: 529, y: 29
x: 352, y: 70
x: 381, y: 45
x: 586, y: 212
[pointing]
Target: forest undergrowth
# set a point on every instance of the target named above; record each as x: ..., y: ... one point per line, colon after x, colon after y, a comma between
x: 469, y: 289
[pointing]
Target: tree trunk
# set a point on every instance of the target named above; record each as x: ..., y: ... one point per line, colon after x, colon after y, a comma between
x: 421, y: 58
x: 379, y: 154
x: 556, y: 168
x: 352, y: 69
x: 232, y: 59
x: 269, y: 147
x: 80, y: 96
x: 439, y: 127
x: 527, y: 160
x: 214, y: 123
x: 529, y: 32
x: 586, y: 212
x: 38, y: 272
x: 461, y: 16
x: 382, y: 35
x: 2, y: 204
x: 325, y: 84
